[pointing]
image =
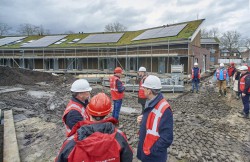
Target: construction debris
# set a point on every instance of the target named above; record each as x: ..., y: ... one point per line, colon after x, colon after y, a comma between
x: 206, y: 127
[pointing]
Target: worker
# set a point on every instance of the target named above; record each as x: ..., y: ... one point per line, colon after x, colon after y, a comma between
x: 244, y: 87
x: 75, y: 110
x: 117, y: 91
x: 221, y: 75
x: 142, y: 72
x: 97, y: 139
x: 236, y: 78
x: 231, y: 70
x: 196, y: 75
x: 156, y: 124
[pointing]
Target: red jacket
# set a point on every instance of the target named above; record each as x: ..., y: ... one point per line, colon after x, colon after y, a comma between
x: 72, y: 105
x: 243, y: 84
x: 95, y: 141
x: 115, y: 94
x: 231, y: 70
x: 141, y: 89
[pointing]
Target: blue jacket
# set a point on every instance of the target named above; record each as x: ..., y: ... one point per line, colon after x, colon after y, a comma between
x: 221, y: 77
x: 159, y: 149
x: 196, y: 72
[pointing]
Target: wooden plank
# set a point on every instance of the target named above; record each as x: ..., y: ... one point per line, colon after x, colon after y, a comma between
x: 0, y: 115
x: 10, y: 149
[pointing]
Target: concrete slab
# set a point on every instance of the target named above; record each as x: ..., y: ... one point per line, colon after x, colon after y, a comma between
x: 11, y: 90
x: 129, y: 110
x: 41, y: 94
x: 10, y: 149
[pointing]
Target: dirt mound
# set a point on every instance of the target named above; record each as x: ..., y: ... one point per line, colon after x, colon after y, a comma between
x: 11, y: 76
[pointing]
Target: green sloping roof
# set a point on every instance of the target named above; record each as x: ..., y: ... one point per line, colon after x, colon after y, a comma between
x: 126, y: 39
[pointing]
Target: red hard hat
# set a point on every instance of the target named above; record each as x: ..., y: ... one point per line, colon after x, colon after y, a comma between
x: 232, y: 63
x: 99, y: 105
x: 118, y: 70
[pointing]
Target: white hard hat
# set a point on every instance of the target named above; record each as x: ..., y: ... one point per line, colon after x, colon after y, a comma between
x: 143, y: 69
x: 196, y: 63
x: 80, y: 85
x: 221, y: 64
x: 152, y: 82
x: 241, y: 68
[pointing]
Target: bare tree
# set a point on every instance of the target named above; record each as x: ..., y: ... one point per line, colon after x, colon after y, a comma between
x: 42, y: 31
x: 69, y: 32
x: 27, y: 29
x: 4, y: 28
x: 212, y: 33
x: 115, y: 27
x: 204, y: 33
x: 247, y: 43
x: 230, y: 40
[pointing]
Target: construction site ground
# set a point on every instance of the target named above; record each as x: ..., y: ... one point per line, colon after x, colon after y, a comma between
x: 206, y: 127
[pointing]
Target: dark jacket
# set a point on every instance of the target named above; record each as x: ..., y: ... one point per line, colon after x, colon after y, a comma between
x: 159, y: 149
x: 247, y: 83
x: 120, y: 87
x: 74, y: 116
x: 196, y: 72
x: 84, y: 131
x: 237, y: 75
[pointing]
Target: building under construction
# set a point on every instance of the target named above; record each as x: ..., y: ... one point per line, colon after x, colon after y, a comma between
x: 155, y: 48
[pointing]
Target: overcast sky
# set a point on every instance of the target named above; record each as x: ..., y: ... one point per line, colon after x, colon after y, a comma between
x: 60, y: 16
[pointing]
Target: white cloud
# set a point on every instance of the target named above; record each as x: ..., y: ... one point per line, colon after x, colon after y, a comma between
x: 91, y: 16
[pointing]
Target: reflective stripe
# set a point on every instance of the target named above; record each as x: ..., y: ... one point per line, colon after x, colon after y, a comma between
x: 82, y: 110
x: 67, y: 129
x: 76, y: 106
x: 158, y: 115
x: 113, y: 89
x: 71, y: 137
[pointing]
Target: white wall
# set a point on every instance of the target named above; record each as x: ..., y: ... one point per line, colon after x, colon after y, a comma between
x: 227, y: 61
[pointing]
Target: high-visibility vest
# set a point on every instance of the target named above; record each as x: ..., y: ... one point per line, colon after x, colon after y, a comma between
x: 242, y: 83
x: 224, y: 74
x: 199, y: 74
x: 72, y: 105
x: 114, y: 90
x: 141, y: 89
x: 152, y: 125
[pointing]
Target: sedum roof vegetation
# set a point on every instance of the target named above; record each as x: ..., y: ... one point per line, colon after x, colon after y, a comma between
x: 126, y: 39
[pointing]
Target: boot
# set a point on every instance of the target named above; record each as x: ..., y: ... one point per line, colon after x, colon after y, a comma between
x: 225, y: 93
x: 220, y: 93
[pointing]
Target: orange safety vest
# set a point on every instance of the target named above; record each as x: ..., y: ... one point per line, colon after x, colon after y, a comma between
x: 74, y: 106
x: 152, y: 125
x: 224, y: 74
x: 113, y: 88
x: 242, y: 83
x: 199, y: 74
x: 141, y: 89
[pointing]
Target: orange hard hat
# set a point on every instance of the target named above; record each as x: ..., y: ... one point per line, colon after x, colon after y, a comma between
x: 99, y: 105
x: 118, y: 70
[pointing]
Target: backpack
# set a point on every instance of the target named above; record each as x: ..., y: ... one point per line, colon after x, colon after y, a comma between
x: 98, y: 147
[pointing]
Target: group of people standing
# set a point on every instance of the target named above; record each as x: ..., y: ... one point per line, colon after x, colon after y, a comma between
x: 92, y: 136
x: 237, y: 78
